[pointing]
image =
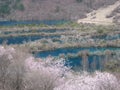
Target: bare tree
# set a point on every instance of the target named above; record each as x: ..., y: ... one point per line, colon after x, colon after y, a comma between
x: 15, y: 75
x: 4, y: 64
x: 12, y: 69
x: 40, y: 81
x: 46, y: 77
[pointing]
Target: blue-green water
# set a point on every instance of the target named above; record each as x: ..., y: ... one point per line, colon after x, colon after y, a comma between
x: 75, y: 63
x: 94, y: 61
x: 65, y: 51
x: 23, y: 39
x: 47, y: 22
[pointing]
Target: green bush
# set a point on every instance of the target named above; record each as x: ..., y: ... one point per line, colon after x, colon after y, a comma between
x: 7, y: 5
x: 113, y: 66
x: 19, y: 7
x: 100, y: 31
x: 4, y: 9
x: 79, y: 1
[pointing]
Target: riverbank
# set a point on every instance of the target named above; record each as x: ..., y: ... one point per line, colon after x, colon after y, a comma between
x: 65, y: 35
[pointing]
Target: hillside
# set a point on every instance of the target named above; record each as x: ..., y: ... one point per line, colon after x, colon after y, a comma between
x: 104, y: 15
x: 49, y: 9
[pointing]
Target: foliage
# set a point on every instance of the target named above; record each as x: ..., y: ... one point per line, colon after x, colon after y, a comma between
x: 113, y: 66
x: 100, y: 30
x: 8, y: 5
x: 19, y: 7
x: 99, y: 81
x: 4, y: 9
x: 79, y: 1
x: 19, y: 71
x: 57, y: 9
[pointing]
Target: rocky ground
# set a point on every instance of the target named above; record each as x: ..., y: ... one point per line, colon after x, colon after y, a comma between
x: 104, y: 15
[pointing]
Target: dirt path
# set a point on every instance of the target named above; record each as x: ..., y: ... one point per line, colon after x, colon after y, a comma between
x: 99, y: 16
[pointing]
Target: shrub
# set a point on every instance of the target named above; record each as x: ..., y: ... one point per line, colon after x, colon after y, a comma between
x: 4, y: 9
x: 113, y: 66
x: 19, y: 7
x: 97, y: 81
x: 18, y: 71
x: 6, y: 6
x: 12, y: 69
x: 21, y: 71
x: 100, y: 31
x: 79, y: 1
